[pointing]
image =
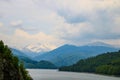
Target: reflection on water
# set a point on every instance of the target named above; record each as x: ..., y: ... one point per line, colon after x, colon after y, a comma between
x: 43, y: 74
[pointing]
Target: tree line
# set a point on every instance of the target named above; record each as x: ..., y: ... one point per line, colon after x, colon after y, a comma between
x: 107, y: 63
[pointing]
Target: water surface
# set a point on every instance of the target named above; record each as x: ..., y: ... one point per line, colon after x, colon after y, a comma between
x: 43, y: 74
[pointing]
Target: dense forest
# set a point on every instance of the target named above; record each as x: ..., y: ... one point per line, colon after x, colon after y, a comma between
x: 10, y: 66
x: 107, y: 63
x: 40, y: 65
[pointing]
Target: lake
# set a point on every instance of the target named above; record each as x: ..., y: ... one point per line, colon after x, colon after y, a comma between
x: 46, y: 74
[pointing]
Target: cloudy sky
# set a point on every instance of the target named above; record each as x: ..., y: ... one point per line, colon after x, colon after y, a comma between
x: 58, y: 22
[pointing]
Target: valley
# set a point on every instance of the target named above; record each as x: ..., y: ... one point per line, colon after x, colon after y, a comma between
x: 64, y: 55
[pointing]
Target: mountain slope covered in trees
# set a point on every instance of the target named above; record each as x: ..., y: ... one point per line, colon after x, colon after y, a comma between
x: 40, y: 65
x: 10, y: 67
x: 108, y: 63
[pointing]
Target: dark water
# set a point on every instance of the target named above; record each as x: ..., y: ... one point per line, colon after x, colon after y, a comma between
x: 43, y: 74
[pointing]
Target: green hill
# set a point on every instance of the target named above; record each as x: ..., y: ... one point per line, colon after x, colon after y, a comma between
x: 41, y: 65
x: 10, y: 66
x: 107, y: 63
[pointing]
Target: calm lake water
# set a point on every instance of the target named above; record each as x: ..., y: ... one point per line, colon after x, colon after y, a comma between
x: 43, y: 74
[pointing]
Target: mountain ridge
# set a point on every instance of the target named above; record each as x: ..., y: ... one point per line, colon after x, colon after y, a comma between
x: 69, y: 54
x: 99, y: 44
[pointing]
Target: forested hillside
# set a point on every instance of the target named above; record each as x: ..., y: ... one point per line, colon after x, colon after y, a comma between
x: 40, y: 65
x: 107, y: 63
x: 10, y: 67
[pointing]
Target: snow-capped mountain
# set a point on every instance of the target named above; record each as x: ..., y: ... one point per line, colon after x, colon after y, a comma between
x: 38, y: 48
x: 33, y: 50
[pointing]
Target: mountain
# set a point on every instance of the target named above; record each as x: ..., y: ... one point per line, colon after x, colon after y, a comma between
x: 99, y: 44
x: 29, y: 63
x: 38, y: 47
x: 17, y: 52
x: 33, y: 50
x: 107, y: 63
x: 22, y: 56
x: 70, y: 54
x: 63, y: 55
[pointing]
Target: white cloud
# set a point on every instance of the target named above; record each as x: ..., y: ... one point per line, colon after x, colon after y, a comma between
x: 16, y: 23
x: 116, y: 27
x: 79, y: 6
x: 73, y: 30
x: 21, y: 38
x: 58, y: 22
x: 1, y: 24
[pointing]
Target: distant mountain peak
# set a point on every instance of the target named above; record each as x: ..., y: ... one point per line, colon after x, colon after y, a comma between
x: 99, y: 44
x: 38, y: 47
x: 68, y: 45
